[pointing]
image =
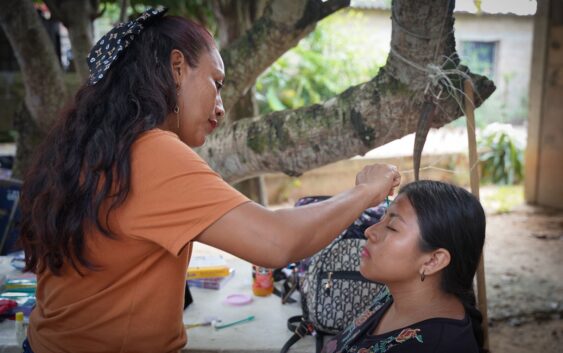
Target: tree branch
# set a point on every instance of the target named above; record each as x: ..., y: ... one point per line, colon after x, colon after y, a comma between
x: 361, y: 118
x: 281, y: 27
x: 294, y: 141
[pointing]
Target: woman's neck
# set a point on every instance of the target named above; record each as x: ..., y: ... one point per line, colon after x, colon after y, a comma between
x: 408, y: 299
x: 417, y: 302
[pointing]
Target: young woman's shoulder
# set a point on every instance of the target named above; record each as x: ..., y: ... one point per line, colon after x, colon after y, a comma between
x: 456, y: 336
x: 429, y: 336
x: 451, y: 335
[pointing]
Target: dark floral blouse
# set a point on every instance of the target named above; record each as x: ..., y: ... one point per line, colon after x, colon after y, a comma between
x: 439, y: 335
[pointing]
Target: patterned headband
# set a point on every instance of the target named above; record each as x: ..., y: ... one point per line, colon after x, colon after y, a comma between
x: 108, y: 49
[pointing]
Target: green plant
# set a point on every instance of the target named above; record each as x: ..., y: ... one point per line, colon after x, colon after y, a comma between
x: 324, y: 64
x: 502, y: 155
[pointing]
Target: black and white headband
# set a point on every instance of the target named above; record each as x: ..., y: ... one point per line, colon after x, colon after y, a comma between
x: 108, y: 49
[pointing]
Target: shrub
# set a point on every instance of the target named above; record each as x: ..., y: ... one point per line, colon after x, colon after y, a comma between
x: 502, y: 155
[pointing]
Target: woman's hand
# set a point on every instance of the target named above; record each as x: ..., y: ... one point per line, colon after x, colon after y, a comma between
x: 380, y: 179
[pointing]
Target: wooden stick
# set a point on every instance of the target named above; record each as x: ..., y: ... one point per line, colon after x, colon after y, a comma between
x: 474, y: 177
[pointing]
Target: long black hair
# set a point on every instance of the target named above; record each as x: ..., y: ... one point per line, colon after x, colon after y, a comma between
x: 84, y: 162
x: 451, y: 218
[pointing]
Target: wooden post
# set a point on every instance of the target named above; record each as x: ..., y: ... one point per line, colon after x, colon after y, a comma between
x: 474, y: 177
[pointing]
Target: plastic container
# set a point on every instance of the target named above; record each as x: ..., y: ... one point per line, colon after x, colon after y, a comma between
x: 20, y: 328
x: 262, y: 281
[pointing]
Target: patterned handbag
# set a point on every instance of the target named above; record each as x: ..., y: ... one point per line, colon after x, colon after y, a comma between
x: 333, y: 292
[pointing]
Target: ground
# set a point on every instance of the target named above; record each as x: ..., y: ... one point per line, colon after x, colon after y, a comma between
x: 523, y: 264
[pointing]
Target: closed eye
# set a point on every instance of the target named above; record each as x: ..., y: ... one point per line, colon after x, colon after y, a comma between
x: 391, y: 229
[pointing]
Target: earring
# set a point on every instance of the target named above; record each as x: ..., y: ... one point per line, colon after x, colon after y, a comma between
x: 422, y: 276
x: 177, y: 112
x: 177, y: 108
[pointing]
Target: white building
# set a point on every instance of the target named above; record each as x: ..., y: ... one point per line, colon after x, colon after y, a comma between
x: 495, y: 41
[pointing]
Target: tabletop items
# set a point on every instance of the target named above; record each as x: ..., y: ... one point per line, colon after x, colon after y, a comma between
x: 208, y: 271
x: 17, y: 294
x: 17, y: 289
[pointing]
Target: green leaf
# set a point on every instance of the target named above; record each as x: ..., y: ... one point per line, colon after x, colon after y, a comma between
x: 273, y: 100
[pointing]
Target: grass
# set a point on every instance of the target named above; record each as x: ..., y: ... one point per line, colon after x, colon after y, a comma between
x: 501, y: 198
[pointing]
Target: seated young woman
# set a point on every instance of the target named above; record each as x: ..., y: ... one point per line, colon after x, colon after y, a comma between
x: 426, y: 249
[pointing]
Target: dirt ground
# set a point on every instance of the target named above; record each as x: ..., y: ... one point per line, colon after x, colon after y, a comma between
x: 524, y: 274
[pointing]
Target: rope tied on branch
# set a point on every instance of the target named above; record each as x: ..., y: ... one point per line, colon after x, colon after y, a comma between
x: 443, y: 77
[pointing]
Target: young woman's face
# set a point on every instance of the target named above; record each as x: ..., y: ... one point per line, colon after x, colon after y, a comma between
x: 392, y: 252
x: 199, y: 100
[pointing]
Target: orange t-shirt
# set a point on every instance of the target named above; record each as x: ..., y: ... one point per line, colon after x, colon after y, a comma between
x: 134, y: 302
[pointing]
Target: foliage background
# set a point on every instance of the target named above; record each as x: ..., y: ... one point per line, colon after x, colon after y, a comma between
x: 324, y: 64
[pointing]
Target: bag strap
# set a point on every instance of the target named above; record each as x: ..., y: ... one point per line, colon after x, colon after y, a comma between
x: 284, y: 296
x: 300, y: 329
x: 290, y: 284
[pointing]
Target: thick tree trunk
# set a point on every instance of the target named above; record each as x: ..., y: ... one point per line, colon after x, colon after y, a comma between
x: 253, y: 188
x: 29, y: 137
x: 360, y: 119
x: 235, y: 18
x: 45, y: 92
x: 77, y: 16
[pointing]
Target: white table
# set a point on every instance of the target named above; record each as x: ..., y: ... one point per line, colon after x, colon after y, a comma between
x: 267, y: 333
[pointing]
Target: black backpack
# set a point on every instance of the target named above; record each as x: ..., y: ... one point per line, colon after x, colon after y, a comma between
x: 332, y: 290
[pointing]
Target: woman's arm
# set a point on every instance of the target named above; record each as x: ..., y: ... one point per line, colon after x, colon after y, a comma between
x: 275, y: 238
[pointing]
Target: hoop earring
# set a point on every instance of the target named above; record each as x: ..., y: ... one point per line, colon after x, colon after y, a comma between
x: 422, y: 276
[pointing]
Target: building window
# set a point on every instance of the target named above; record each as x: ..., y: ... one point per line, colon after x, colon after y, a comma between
x: 479, y: 57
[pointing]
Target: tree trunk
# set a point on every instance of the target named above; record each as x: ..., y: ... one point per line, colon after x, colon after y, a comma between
x: 235, y: 18
x: 253, y: 188
x: 361, y: 118
x: 45, y: 91
x: 29, y: 137
x: 77, y: 16
x: 123, y: 4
